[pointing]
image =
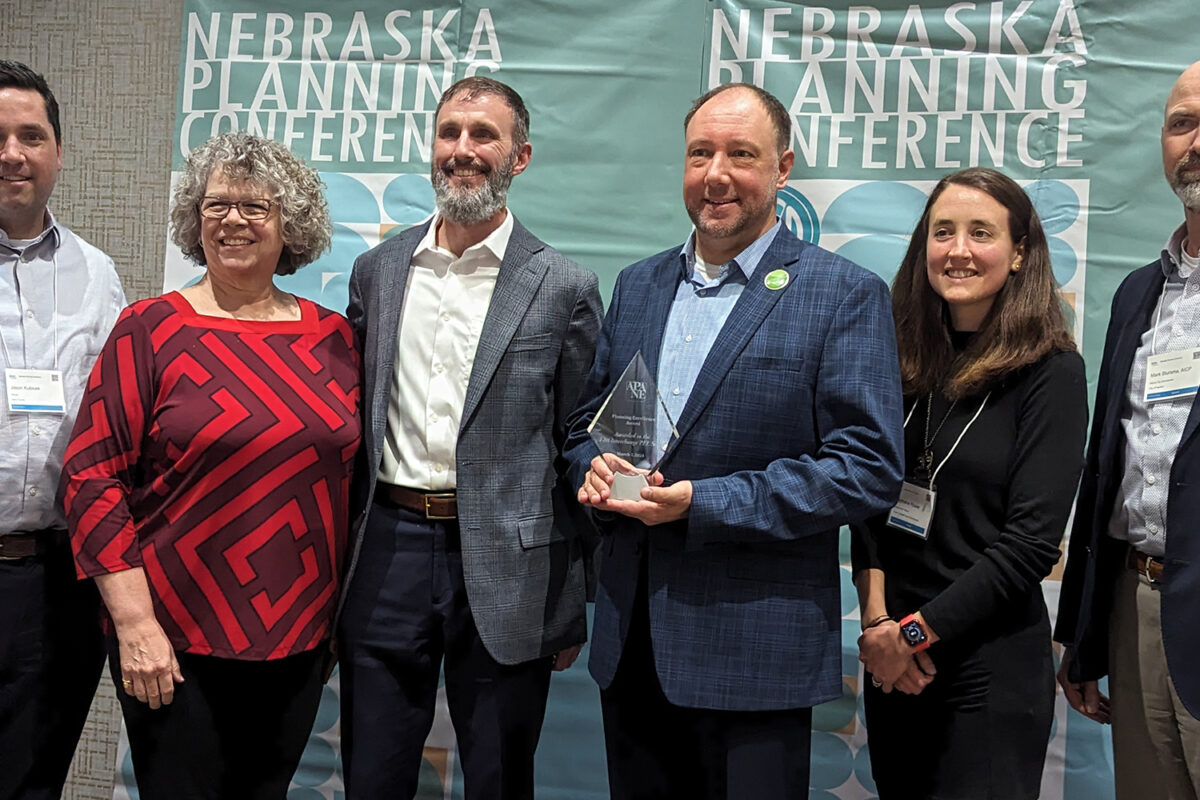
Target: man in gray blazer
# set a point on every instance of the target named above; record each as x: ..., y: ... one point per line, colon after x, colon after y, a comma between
x: 476, y: 340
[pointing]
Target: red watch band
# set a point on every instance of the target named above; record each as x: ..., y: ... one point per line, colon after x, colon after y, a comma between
x: 919, y: 646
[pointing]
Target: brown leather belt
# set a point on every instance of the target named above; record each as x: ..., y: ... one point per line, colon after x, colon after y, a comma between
x: 15, y: 546
x: 1142, y: 564
x: 431, y: 505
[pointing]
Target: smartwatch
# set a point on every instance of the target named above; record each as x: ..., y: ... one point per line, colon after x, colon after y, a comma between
x: 913, y: 633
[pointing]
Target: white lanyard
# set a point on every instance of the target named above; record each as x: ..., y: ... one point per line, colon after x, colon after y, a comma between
x: 933, y: 477
x: 8, y: 359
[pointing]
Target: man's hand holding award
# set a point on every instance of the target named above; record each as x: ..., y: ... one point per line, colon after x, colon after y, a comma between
x: 625, y: 432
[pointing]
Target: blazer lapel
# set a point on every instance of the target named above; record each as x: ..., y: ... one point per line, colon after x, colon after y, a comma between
x: 519, y: 280
x: 742, y: 323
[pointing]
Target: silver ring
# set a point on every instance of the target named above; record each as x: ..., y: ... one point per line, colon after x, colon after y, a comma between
x: 878, y: 684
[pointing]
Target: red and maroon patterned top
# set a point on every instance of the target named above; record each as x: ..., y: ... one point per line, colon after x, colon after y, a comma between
x: 216, y: 454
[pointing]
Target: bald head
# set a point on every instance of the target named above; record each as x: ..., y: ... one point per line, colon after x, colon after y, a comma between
x: 1181, y: 138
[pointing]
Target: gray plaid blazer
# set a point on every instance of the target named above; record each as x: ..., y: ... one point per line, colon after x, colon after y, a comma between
x: 523, y: 538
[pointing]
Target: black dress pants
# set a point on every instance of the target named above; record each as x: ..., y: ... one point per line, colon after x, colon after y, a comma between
x: 407, y: 610
x: 51, y: 659
x: 234, y: 729
x: 978, y: 731
x: 660, y: 751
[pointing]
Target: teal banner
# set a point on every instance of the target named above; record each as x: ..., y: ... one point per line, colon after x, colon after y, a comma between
x: 1066, y: 96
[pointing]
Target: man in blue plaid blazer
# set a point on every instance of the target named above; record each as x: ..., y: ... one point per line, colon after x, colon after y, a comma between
x: 718, y: 611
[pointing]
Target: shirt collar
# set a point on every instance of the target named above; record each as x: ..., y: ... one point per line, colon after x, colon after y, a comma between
x: 1172, y: 249
x: 495, y: 242
x: 747, y: 260
x: 50, y: 233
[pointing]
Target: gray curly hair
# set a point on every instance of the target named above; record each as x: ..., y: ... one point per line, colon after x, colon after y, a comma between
x: 303, y: 212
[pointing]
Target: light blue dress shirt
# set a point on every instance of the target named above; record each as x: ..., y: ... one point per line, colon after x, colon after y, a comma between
x: 1153, y: 430
x: 56, y: 287
x: 698, y: 312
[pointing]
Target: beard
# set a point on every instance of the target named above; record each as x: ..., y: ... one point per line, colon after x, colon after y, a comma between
x: 720, y: 229
x: 1185, y: 181
x: 466, y: 205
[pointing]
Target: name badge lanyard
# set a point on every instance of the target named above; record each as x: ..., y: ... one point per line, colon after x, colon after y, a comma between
x: 1174, y: 374
x: 914, y: 511
x: 35, y: 391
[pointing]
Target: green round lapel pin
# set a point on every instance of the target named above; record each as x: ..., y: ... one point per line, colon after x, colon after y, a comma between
x: 776, y: 279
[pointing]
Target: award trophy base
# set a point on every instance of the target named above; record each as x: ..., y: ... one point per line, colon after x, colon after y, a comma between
x: 627, y: 487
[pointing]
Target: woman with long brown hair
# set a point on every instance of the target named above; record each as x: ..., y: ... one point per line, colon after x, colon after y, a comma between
x: 956, y: 638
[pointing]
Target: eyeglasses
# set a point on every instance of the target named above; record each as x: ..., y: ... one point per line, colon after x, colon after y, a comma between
x: 218, y: 208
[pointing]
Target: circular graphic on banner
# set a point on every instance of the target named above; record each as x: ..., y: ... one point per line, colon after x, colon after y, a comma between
x: 1056, y: 204
x: 349, y: 199
x: 876, y: 207
x: 798, y: 215
x: 408, y: 199
x: 832, y: 761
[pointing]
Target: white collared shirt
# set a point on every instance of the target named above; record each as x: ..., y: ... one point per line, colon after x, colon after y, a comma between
x: 446, y: 301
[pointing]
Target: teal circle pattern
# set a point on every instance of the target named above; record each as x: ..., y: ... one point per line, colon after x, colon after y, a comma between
x: 836, y: 714
x: 878, y: 252
x: 1063, y: 260
x: 317, y: 763
x: 311, y: 282
x: 876, y: 207
x: 1057, y: 204
x: 862, y: 769
x: 832, y: 762
x: 327, y: 711
x: 408, y: 199
x: 349, y: 199
x: 798, y: 215
x: 849, y: 593
x: 305, y: 793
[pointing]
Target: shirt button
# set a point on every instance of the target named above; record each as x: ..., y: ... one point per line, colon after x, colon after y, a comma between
x: 37, y: 430
x: 439, y: 467
x: 29, y: 314
x: 445, y: 317
x: 433, y: 417
x: 33, y: 491
x: 675, y: 390
x: 1152, y: 528
x: 438, y: 368
x: 687, y: 338
x: 1156, y: 429
x: 1150, y: 479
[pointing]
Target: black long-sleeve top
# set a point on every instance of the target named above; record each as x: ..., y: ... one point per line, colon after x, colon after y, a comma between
x: 1002, y: 502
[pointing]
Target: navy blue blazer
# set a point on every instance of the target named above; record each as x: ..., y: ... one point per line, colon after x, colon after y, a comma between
x: 794, y: 428
x: 1094, y: 558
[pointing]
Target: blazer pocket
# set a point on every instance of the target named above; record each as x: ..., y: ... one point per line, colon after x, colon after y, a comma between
x: 533, y: 342
x: 538, y: 531
x: 771, y: 363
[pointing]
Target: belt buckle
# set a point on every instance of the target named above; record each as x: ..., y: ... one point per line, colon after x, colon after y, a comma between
x: 438, y: 496
x: 1149, y: 563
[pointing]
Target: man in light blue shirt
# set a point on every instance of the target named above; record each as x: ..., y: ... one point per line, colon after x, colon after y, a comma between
x: 1131, y: 590
x: 59, y: 298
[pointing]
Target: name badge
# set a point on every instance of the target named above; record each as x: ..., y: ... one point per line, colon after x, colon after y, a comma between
x: 914, y: 511
x: 1172, y: 375
x: 35, y: 391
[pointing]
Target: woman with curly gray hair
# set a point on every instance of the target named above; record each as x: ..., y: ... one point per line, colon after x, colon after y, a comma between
x: 207, y: 482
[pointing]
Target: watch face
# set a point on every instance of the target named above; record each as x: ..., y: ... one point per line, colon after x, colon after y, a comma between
x: 913, y: 633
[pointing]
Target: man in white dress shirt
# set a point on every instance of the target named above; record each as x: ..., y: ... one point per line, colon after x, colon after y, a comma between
x: 476, y: 340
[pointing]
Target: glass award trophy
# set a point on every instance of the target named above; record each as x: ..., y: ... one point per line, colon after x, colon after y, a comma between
x: 625, y: 426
